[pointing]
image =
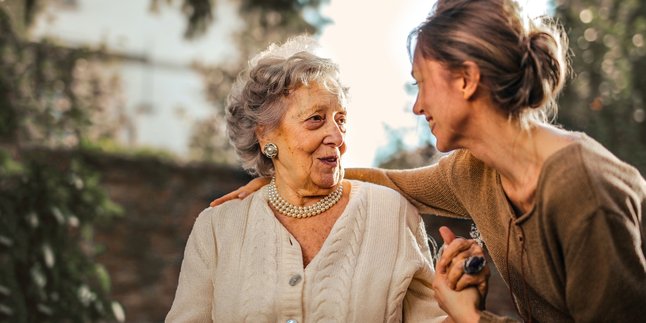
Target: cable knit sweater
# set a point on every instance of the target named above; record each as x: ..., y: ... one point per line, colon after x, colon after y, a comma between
x: 241, y: 265
x: 578, y: 255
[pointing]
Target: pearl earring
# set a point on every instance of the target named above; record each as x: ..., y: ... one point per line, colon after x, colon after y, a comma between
x: 270, y: 150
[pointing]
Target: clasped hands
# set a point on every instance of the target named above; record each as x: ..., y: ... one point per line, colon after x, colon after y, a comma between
x: 459, y: 294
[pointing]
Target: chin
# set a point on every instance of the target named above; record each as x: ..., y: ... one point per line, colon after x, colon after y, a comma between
x: 442, y: 148
x: 443, y: 145
x: 329, y: 180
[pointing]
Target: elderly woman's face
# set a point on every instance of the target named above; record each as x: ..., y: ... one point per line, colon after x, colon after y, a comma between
x: 310, y: 139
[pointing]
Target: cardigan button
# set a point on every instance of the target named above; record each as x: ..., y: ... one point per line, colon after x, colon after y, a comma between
x: 294, y: 280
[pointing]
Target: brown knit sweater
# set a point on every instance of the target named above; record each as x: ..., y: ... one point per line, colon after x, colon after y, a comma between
x: 578, y: 255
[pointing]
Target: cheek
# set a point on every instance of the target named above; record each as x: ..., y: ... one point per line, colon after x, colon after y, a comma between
x: 308, y: 146
x: 426, y: 94
x: 302, y: 151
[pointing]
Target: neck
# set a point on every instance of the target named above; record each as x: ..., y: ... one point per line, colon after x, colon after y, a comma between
x: 516, y: 154
x: 510, y: 150
x: 295, y: 211
x: 302, y: 195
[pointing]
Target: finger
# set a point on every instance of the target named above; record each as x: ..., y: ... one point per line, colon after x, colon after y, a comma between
x: 254, y: 185
x: 483, y: 288
x: 440, y: 289
x: 257, y: 183
x: 447, y: 235
x: 226, y: 197
x: 476, y: 249
x: 243, y: 191
x: 463, y: 249
x: 470, y: 281
x: 474, y: 280
x: 438, y: 284
x: 451, y: 251
x: 242, y: 195
x: 455, y: 272
x: 480, y: 281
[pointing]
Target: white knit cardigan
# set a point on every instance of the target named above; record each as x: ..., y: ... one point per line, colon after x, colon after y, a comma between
x: 242, y: 265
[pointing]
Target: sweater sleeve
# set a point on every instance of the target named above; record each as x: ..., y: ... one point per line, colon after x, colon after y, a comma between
x: 606, y: 269
x: 419, y: 303
x: 194, y: 295
x: 429, y: 189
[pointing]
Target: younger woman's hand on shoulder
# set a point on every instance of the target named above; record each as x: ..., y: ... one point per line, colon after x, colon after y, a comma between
x: 242, y: 192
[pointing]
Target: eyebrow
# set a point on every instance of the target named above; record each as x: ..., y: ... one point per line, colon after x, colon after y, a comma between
x: 306, y: 111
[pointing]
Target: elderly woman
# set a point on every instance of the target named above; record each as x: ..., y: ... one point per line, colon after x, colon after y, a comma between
x: 310, y: 246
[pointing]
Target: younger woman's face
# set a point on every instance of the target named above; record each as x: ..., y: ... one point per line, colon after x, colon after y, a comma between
x: 441, y: 101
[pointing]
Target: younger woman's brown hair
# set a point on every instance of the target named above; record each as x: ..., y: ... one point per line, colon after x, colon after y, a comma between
x: 523, y: 63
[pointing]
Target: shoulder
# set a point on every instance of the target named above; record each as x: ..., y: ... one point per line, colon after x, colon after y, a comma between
x: 372, y: 192
x: 605, y: 169
x: 586, y: 176
x: 381, y: 200
x: 231, y: 212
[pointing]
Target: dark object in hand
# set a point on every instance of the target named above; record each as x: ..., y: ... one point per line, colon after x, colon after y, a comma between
x: 474, y: 265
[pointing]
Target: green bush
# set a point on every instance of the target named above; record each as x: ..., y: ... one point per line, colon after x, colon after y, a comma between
x: 47, y: 270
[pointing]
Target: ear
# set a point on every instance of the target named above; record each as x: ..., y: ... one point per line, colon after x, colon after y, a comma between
x: 470, y: 79
x: 261, y: 135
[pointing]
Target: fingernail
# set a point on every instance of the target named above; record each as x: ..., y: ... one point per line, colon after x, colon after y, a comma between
x: 242, y: 195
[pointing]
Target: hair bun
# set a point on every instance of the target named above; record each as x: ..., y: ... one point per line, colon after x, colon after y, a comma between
x: 541, y: 65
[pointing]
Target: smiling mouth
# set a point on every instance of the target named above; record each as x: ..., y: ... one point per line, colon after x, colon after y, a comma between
x: 330, y: 160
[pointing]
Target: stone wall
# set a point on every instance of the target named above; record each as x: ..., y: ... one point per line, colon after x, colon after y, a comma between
x: 144, y: 248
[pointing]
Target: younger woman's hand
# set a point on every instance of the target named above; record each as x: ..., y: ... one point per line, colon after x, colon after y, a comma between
x: 242, y: 192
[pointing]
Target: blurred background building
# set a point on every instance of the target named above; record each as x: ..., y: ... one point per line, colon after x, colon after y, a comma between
x: 112, y: 139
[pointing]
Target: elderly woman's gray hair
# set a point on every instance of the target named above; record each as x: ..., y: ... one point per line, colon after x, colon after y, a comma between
x: 260, y: 95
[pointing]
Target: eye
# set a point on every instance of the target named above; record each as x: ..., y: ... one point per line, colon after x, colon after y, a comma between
x: 341, y: 121
x: 414, y: 83
x: 316, y: 117
x: 315, y: 121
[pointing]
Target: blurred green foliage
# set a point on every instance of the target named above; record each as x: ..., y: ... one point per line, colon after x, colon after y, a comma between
x: 47, y: 210
x: 606, y: 97
x: 47, y: 268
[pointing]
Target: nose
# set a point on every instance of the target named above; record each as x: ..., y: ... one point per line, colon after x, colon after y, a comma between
x: 417, y: 107
x: 335, y: 134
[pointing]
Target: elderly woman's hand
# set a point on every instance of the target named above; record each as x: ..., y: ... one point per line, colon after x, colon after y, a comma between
x: 462, y: 306
x: 242, y: 192
x: 455, y: 252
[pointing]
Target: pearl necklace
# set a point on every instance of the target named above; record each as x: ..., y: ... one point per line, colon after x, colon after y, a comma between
x: 299, y: 212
